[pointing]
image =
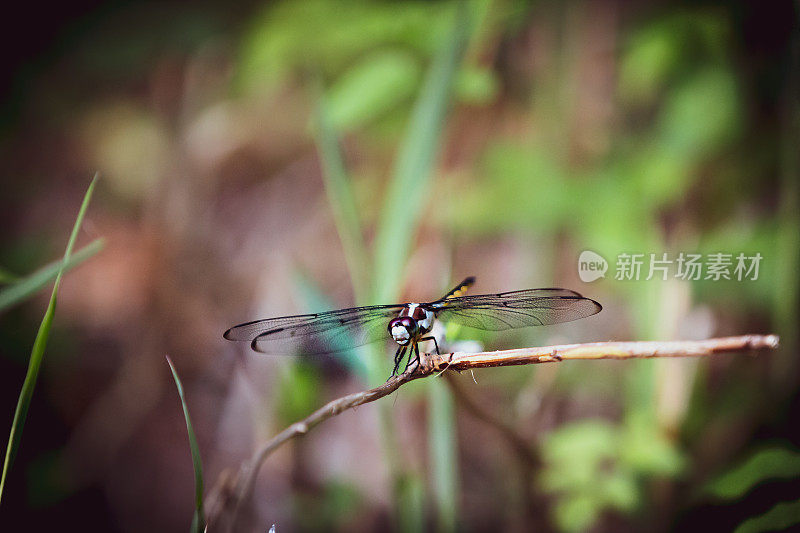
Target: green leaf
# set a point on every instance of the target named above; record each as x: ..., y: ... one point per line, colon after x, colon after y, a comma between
x: 771, y: 463
x: 779, y: 518
x: 476, y: 85
x: 320, y: 35
x: 375, y: 85
x: 646, y: 449
x: 577, y: 513
x: 620, y: 491
x: 701, y: 115
x: 37, y: 353
x: 26, y: 287
x: 651, y: 56
x: 198, y: 520
x: 405, y: 198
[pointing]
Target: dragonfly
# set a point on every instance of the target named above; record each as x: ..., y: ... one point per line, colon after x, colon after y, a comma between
x: 409, y: 324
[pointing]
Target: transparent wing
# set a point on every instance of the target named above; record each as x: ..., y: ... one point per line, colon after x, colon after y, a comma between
x: 317, y: 333
x: 517, y: 309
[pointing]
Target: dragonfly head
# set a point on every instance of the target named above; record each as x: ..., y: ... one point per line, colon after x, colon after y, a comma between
x: 403, y: 329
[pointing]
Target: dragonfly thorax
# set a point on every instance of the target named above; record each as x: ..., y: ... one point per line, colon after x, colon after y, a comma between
x: 412, y: 322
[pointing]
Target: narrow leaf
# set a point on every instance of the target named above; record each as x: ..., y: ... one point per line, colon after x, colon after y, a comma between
x: 198, y: 521
x: 37, y: 353
x: 410, y: 184
x: 764, y: 465
x: 780, y: 518
x: 342, y: 201
x: 24, y: 288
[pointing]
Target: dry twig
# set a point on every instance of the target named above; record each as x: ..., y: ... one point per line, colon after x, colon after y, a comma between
x: 435, y: 363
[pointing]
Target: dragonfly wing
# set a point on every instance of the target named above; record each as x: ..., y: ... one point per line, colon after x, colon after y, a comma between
x: 517, y: 309
x: 317, y: 333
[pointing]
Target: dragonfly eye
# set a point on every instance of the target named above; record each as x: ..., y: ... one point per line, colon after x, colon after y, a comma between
x: 402, y: 329
x: 410, y: 324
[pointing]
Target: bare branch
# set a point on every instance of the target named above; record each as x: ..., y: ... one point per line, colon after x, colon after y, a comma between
x: 249, y: 471
x: 601, y: 350
x: 435, y: 363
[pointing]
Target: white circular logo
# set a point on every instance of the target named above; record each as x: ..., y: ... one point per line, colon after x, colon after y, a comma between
x: 591, y: 266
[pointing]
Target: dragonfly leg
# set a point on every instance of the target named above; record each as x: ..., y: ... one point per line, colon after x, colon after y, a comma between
x: 398, y: 356
x: 431, y: 338
x: 412, y: 356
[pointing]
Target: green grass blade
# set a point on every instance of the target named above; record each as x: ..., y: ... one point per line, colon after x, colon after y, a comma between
x: 444, y: 454
x: 342, y: 201
x: 405, y: 197
x: 24, y: 288
x: 37, y: 353
x: 402, y: 210
x: 199, y: 520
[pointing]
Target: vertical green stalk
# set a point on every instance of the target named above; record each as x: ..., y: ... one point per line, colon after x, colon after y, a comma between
x: 342, y: 201
x: 404, y: 201
x: 787, y: 298
x: 405, y: 198
x: 443, y: 453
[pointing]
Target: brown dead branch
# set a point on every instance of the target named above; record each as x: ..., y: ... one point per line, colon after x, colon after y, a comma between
x: 430, y: 364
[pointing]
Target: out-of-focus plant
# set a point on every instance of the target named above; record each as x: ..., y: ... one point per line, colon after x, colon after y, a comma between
x: 594, y: 466
x: 675, y: 72
x: 337, y: 508
x: 761, y: 466
x: 780, y: 518
x: 362, y: 92
x: 767, y: 464
x: 374, y: 54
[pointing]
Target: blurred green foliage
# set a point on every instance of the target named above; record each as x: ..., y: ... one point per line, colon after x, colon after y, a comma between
x: 780, y: 518
x: 763, y: 465
x: 336, y: 508
x: 413, y: 172
x: 324, y: 36
x: 593, y: 466
x: 372, y: 87
x: 298, y: 393
x: 683, y: 122
x: 374, y: 53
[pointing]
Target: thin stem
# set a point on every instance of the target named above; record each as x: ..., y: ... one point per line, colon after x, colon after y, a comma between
x: 601, y: 350
x: 430, y: 364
